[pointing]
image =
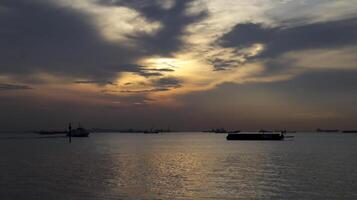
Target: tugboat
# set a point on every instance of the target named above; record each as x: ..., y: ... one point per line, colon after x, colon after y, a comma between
x: 79, y: 132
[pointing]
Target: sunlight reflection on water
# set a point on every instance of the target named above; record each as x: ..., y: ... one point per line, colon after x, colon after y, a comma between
x: 179, y: 166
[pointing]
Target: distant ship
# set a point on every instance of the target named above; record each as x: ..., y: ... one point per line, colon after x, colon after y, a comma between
x: 151, y: 131
x: 264, y: 131
x: 51, y: 132
x: 327, y: 130
x: 255, y: 136
x: 79, y: 132
x: 284, y: 131
x: 222, y: 130
x: 236, y: 131
x: 349, y: 131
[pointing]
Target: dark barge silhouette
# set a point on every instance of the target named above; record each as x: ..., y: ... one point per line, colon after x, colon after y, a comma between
x: 255, y: 136
x: 42, y: 132
x: 349, y: 131
x: 78, y: 132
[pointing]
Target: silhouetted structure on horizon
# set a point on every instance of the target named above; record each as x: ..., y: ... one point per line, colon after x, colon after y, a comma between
x: 327, y: 130
x: 256, y: 136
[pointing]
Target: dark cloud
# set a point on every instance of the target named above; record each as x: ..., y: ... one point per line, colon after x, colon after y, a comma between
x: 94, y: 82
x: 145, y: 71
x: 279, y: 40
x: 162, y: 82
x: 145, y: 91
x: 160, y: 70
x: 174, y: 21
x: 159, y: 85
x: 9, y: 87
x: 169, y: 82
x: 243, y: 35
x: 223, y: 64
x: 38, y: 35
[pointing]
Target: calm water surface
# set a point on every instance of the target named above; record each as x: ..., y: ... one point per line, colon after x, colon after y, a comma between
x: 178, y: 166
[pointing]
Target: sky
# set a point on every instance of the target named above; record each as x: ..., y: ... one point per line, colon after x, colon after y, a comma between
x: 184, y: 64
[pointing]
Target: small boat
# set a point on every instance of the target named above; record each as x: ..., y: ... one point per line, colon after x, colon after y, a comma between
x: 285, y: 131
x: 236, y: 131
x: 255, y: 136
x: 349, y: 131
x: 79, y: 132
x: 327, y: 130
x: 265, y: 131
x: 51, y: 132
x: 220, y: 130
x: 151, y: 131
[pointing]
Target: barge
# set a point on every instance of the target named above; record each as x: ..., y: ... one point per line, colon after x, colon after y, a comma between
x: 256, y: 136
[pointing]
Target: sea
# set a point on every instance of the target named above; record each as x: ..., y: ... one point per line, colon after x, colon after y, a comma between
x: 177, y: 166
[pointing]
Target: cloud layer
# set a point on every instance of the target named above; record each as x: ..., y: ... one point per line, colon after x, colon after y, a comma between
x: 185, y: 55
x: 279, y: 40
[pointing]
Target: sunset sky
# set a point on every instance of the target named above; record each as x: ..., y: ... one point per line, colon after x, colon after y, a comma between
x: 187, y: 64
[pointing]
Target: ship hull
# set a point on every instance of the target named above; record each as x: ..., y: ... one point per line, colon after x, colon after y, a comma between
x: 51, y: 132
x: 349, y: 131
x: 79, y: 133
x: 255, y: 136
